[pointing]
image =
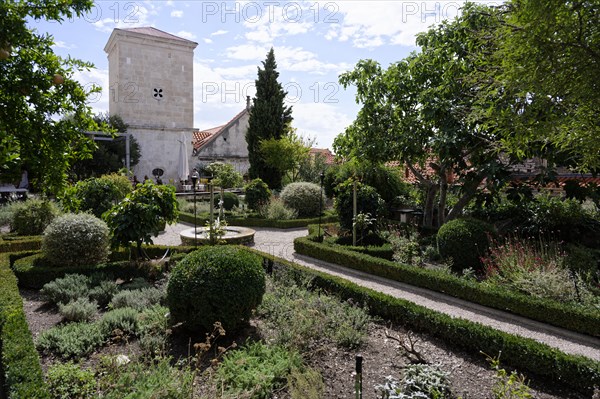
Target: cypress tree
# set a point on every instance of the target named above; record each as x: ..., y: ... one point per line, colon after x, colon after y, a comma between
x: 268, y: 119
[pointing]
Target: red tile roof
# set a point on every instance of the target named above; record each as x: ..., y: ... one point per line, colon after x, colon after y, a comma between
x: 203, y: 137
x: 326, y: 152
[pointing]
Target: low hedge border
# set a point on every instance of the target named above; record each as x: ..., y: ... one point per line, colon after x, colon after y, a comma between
x: 560, y: 315
x: 20, y: 371
x: 524, y: 354
x: 257, y: 222
x: 31, y: 273
x: 15, y: 244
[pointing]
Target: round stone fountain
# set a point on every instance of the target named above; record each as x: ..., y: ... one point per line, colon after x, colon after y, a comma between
x: 233, y: 235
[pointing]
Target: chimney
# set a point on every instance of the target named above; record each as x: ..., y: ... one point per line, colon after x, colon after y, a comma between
x: 247, y: 103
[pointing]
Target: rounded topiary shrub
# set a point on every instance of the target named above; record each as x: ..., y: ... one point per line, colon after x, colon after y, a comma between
x: 229, y: 200
x: 76, y: 240
x: 219, y: 283
x: 464, y: 241
x: 257, y: 194
x: 367, y: 202
x: 31, y: 217
x: 304, y: 198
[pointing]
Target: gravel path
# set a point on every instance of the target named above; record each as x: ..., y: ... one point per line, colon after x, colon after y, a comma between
x: 281, y: 243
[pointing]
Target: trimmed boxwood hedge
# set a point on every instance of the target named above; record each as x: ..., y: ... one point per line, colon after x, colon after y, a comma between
x: 33, y: 273
x: 19, y: 360
x: 525, y: 354
x: 15, y: 244
x: 257, y: 222
x: 562, y: 315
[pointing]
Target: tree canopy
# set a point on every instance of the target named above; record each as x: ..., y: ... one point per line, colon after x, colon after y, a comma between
x: 417, y: 112
x: 268, y: 120
x: 43, y: 111
x: 492, y: 87
x: 287, y: 154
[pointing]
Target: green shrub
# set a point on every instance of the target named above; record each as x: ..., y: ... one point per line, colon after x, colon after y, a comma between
x: 256, y: 193
x: 68, y: 380
x: 215, y: 284
x: 277, y: 210
x: 76, y: 240
x: 141, y: 215
x: 464, y: 241
x: 103, y: 292
x: 21, y: 371
x: 78, y: 310
x: 229, y: 200
x: 367, y: 201
x: 96, y: 195
x: 123, y: 319
x: 386, y: 181
x: 299, y: 318
x: 137, y: 299
x: 31, y: 217
x: 69, y: 288
x: 304, y: 198
x: 73, y: 340
x: 154, y: 330
x: 258, y: 369
x: 419, y: 381
x: 141, y: 380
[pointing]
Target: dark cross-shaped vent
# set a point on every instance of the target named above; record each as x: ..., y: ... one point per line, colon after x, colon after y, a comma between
x: 158, y: 93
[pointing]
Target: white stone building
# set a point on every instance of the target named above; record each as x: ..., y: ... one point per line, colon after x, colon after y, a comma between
x: 226, y: 143
x: 151, y: 87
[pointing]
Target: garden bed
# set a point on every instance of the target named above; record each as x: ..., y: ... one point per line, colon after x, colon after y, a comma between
x: 470, y: 376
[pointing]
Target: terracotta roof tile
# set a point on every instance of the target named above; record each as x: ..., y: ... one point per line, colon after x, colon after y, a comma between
x: 326, y: 152
x: 201, y: 138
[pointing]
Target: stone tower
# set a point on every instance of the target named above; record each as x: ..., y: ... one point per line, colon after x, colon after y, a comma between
x: 151, y: 84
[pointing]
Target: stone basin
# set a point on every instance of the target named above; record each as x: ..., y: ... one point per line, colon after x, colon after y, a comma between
x: 233, y: 235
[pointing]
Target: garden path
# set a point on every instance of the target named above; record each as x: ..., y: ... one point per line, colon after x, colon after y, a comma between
x: 280, y: 243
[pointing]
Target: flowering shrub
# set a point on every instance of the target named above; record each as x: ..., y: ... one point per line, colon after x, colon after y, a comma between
x: 536, y: 269
x: 304, y: 198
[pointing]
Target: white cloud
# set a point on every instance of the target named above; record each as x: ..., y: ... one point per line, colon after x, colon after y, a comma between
x: 272, y: 21
x: 95, y: 77
x: 131, y: 16
x: 219, y: 32
x: 177, y: 14
x: 186, y: 35
x: 321, y: 121
x: 376, y: 23
x: 61, y: 44
x: 294, y: 59
x: 207, y: 40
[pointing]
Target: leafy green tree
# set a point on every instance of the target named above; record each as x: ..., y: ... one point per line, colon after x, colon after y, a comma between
x: 109, y: 155
x: 268, y: 120
x: 38, y: 92
x: 224, y: 174
x: 417, y: 111
x: 311, y: 167
x: 542, y: 78
x: 141, y: 215
x: 287, y: 153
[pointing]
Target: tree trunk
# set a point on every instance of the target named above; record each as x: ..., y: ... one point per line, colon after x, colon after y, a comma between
x: 443, y: 195
x: 470, y: 191
x: 431, y: 191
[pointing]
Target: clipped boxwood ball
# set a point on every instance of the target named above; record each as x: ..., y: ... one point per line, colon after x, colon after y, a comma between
x: 465, y: 241
x: 76, y: 240
x: 229, y: 200
x: 221, y: 283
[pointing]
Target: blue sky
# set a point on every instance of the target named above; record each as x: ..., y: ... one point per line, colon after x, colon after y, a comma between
x: 314, y: 42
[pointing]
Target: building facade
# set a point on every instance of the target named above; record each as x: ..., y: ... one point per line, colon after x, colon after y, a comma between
x: 151, y: 85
